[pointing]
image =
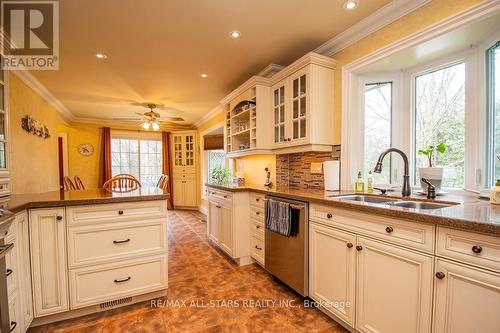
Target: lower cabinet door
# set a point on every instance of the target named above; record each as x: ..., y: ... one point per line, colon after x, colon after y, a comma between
x: 332, y: 269
x: 178, y: 192
x: 190, y: 193
x: 23, y: 257
x: 48, y: 261
x: 213, y: 221
x: 467, y: 299
x: 394, y: 288
x: 226, y: 239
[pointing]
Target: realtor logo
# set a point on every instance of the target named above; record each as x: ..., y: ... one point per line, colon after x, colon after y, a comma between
x: 29, y: 35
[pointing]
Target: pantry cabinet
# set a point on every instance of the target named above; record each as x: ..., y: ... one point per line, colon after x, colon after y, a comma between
x: 333, y: 284
x: 184, y: 152
x: 394, y: 288
x: 48, y: 261
x: 467, y: 299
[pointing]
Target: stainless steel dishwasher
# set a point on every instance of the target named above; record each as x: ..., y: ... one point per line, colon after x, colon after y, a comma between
x: 287, y: 257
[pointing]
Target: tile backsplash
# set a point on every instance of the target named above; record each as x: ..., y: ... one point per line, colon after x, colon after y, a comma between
x: 294, y: 170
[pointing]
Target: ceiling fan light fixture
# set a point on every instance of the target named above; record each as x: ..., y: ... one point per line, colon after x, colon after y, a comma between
x: 155, y: 125
x: 146, y: 125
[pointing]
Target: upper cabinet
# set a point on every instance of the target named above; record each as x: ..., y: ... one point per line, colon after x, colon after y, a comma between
x: 290, y: 112
x: 183, y: 145
x: 247, y: 116
x: 4, y: 160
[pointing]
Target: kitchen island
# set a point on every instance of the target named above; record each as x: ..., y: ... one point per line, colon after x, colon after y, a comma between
x: 78, y: 252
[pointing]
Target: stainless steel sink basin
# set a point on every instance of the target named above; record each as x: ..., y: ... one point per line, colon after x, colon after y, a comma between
x: 365, y: 198
x: 422, y: 204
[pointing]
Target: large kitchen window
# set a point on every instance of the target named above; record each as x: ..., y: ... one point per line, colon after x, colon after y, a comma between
x: 493, y: 109
x: 140, y: 158
x: 440, y: 118
x: 378, y: 127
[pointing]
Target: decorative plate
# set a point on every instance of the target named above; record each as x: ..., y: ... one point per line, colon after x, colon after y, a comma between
x: 86, y: 149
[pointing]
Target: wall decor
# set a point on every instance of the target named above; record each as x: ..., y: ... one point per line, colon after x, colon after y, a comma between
x: 86, y: 149
x: 35, y: 127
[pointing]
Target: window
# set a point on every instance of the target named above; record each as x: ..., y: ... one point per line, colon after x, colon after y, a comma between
x: 493, y: 108
x: 440, y: 118
x: 378, y: 120
x: 215, y: 158
x: 140, y: 158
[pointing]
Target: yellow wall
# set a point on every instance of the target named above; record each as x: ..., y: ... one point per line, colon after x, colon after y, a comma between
x: 253, y: 167
x: 34, y: 161
x: 86, y: 167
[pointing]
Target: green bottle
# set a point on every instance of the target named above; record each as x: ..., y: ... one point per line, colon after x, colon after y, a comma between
x: 360, y: 184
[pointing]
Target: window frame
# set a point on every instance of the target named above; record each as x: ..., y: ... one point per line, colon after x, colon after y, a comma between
x: 490, y: 113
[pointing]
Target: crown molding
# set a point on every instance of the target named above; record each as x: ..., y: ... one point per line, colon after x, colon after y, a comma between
x: 43, y: 92
x: 270, y: 70
x: 382, y: 17
x: 309, y: 58
x: 251, y: 82
x: 215, y: 111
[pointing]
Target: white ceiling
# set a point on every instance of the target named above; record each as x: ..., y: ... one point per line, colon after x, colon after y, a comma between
x: 157, y: 49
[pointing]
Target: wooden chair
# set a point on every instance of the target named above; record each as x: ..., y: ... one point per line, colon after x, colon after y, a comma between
x: 163, y: 182
x: 68, y: 184
x: 125, y: 175
x: 122, y: 183
x: 79, y: 184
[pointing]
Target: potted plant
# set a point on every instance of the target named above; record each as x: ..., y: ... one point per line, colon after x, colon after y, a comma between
x: 432, y: 173
x: 220, y: 175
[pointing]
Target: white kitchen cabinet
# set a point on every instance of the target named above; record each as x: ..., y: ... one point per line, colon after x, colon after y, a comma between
x: 4, y: 133
x: 394, y: 288
x: 228, y: 223
x: 184, y: 151
x: 332, y: 268
x: 467, y: 299
x: 302, y: 105
x: 48, y: 261
x: 24, y: 276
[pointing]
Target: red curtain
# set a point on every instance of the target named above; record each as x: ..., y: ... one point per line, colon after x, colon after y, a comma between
x: 105, y: 162
x: 167, y: 166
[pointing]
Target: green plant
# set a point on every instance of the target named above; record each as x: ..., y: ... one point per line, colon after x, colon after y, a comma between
x: 220, y: 174
x: 429, y: 152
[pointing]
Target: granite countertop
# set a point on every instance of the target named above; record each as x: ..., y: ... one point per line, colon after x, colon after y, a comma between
x: 19, y: 202
x: 471, y: 213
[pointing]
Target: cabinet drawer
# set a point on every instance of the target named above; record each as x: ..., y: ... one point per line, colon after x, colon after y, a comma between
x: 94, y: 285
x: 14, y: 315
x: 11, y: 266
x: 257, y: 227
x: 116, y: 212
x: 220, y: 195
x: 416, y: 235
x: 257, y: 199
x: 95, y: 245
x: 476, y: 249
x: 257, y: 248
x: 257, y: 213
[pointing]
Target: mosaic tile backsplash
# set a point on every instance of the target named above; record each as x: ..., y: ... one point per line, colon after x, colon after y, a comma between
x: 294, y: 170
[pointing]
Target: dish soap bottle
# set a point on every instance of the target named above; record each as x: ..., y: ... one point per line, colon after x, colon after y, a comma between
x: 369, y: 182
x: 495, y: 193
x: 359, y: 186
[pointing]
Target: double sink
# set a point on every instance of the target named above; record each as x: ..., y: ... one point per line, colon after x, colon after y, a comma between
x: 381, y: 200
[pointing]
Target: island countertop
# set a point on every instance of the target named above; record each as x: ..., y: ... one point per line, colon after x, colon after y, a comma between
x: 19, y: 202
x: 470, y: 213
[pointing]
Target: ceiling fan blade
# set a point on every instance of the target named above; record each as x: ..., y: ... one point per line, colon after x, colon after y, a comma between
x: 128, y: 119
x: 172, y: 119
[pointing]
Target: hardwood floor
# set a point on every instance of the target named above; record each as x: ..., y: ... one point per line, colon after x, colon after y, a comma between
x: 207, y: 293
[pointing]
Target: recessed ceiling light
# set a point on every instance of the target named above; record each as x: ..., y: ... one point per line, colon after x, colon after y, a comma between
x: 350, y: 4
x: 235, y: 34
x: 101, y: 56
x: 204, y: 75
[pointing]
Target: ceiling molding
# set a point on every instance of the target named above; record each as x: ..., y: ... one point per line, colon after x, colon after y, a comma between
x: 43, y: 92
x: 218, y: 109
x: 382, y: 17
x: 251, y: 82
x: 309, y: 58
x: 270, y: 70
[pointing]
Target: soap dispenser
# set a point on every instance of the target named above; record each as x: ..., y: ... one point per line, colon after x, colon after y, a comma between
x: 359, y: 186
x: 495, y: 193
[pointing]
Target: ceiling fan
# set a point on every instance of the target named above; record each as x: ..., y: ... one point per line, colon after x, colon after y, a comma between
x: 151, y: 119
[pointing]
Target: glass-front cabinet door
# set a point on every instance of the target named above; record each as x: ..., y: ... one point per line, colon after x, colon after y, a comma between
x: 189, y: 152
x: 279, y: 113
x: 178, y: 144
x: 299, y: 106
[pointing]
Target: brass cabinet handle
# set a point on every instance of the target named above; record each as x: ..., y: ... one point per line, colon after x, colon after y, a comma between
x: 349, y: 245
x: 120, y: 212
x: 477, y: 249
x: 258, y: 248
x: 121, y: 241
x: 359, y: 247
x: 8, y: 272
x: 257, y: 226
x: 124, y: 280
x: 218, y: 206
x: 257, y: 199
x: 440, y: 275
x: 59, y: 217
x: 258, y: 213
x: 225, y: 197
x: 389, y: 229
x: 329, y: 215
